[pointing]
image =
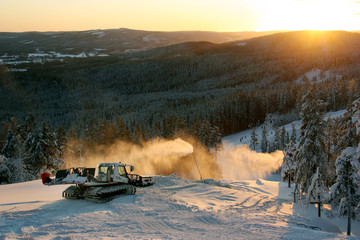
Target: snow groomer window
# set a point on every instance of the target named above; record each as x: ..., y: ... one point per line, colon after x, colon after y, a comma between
x: 122, y: 171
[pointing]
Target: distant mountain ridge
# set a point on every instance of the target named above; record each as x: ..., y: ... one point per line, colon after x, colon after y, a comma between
x: 29, y: 47
x: 282, y: 43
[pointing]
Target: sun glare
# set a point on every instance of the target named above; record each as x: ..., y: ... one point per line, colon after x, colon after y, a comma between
x: 177, y: 15
x: 308, y: 15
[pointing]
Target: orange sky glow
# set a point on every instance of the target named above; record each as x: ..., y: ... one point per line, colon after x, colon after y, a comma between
x: 178, y: 15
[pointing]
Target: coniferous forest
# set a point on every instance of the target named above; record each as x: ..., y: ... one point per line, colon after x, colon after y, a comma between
x: 199, y: 89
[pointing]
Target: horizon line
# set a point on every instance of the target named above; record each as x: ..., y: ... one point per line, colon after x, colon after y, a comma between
x: 132, y: 29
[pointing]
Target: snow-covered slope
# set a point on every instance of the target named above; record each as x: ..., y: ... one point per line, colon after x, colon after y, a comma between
x: 175, y: 208
x: 244, y: 137
x: 172, y: 209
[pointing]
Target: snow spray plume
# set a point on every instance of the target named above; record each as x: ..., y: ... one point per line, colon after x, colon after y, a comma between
x: 241, y: 163
x: 186, y: 158
x: 155, y: 157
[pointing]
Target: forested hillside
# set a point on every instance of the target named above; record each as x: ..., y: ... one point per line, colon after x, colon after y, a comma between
x: 197, y: 88
x: 41, y: 47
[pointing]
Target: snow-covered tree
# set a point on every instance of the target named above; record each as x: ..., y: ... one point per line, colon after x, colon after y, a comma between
x: 287, y: 139
x: 264, y: 140
x: 283, y: 138
x: 14, y: 145
x: 311, y: 150
x: 42, y: 152
x: 4, y: 171
x: 17, y: 171
x: 11, y: 145
x: 13, y: 158
x: 331, y: 139
x: 293, y: 136
x: 346, y: 131
x: 275, y: 145
x: 254, y: 140
x: 346, y: 192
x: 289, y: 165
x: 29, y: 150
x: 356, y: 111
x: 340, y: 133
x: 61, y: 139
x: 29, y: 125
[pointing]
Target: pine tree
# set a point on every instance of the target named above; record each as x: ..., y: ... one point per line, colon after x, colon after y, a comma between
x: 15, y: 150
x: 311, y: 150
x: 61, y: 139
x: 289, y: 165
x: 4, y: 171
x: 254, y: 140
x: 52, y: 150
x: 356, y: 115
x: 215, y: 138
x: 346, y: 192
x: 42, y: 152
x: 264, y: 141
x: 11, y: 145
x: 3, y: 133
x: 91, y: 135
x: 73, y: 152
x: 331, y: 139
x: 287, y: 139
x: 293, y: 134
x: 17, y: 171
x: 122, y: 131
x: 276, y: 142
x: 346, y: 132
x: 24, y: 129
x: 282, y: 138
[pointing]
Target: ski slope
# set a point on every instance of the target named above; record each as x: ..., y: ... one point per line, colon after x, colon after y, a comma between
x: 257, y: 207
x: 173, y: 208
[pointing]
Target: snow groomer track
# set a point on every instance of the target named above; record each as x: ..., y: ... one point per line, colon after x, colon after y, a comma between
x: 171, y: 209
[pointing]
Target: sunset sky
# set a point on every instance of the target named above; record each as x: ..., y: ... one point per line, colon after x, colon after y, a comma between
x: 175, y: 15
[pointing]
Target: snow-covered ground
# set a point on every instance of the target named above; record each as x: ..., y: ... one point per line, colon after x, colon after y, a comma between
x: 315, y: 76
x: 244, y: 137
x: 173, y: 208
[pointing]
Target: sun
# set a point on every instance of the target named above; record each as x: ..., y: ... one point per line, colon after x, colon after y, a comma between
x: 308, y: 15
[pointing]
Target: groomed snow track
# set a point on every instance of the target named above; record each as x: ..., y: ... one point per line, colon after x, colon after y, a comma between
x: 171, y: 209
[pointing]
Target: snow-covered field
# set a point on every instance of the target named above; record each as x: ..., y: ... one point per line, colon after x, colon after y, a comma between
x: 173, y: 208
